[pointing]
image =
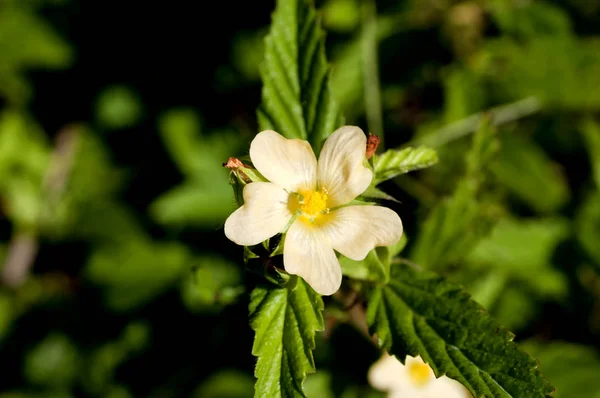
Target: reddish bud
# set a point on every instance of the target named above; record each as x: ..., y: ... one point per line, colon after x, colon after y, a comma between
x: 233, y: 163
x: 372, y: 144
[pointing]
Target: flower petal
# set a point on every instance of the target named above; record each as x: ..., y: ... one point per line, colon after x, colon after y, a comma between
x: 340, y: 170
x: 308, y: 253
x: 289, y: 163
x: 447, y: 388
x: 264, y: 214
x: 356, y: 230
x: 388, y: 374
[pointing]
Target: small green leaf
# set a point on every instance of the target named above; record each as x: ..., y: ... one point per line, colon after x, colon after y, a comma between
x: 296, y: 98
x: 53, y: 362
x: 373, y: 193
x: 395, y: 162
x: 118, y: 107
x: 420, y: 313
x: 285, y: 320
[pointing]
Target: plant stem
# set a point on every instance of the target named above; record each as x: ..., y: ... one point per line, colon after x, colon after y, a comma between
x: 498, y: 115
x: 372, y: 90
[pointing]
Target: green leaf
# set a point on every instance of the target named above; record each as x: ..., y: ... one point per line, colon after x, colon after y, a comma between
x: 118, y: 107
x: 213, y: 284
x: 8, y: 309
x: 591, y: 134
x: 457, y: 223
x: 543, y: 186
x: 420, y: 313
x: 104, y: 361
x: 573, y: 368
x: 226, y: 383
x: 347, y: 77
x: 53, y: 362
x: 135, y: 271
x: 521, y: 246
x: 319, y: 385
x: 195, y: 204
x: 587, y: 226
x: 180, y: 131
x: 452, y: 229
x: 24, y: 160
x: 464, y: 92
x: 204, y: 198
x: 296, y: 98
x: 26, y: 42
x: 285, y: 321
x: 395, y: 162
x: 532, y: 20
x: 374, y: 193
x: 519, y: 69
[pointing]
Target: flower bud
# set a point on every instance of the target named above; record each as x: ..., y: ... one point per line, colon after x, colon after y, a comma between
x: 241, y: 175
x: 372, y: 144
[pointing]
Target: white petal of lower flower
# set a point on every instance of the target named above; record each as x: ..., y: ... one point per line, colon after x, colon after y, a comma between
x: 289, y: 163
x: 264, y: 214
x: 388, y: 374
x: 340, y: 170
x: 447, y: 388
x: 308, y: 253
x: 400, y: 381
x: 355, y: 230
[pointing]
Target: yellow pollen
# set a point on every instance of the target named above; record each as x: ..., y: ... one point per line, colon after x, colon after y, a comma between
x: 419, y: 373
x: 314, y: 203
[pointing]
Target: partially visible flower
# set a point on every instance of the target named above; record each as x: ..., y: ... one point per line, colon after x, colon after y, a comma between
x: 311, y: 201
x: 415, y: 379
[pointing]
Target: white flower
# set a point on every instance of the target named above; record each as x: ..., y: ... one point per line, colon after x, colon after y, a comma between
x: 308, y: 199
x: 413, y: 380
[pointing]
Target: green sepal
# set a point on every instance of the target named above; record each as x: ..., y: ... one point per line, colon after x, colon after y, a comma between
x: 374, y: 193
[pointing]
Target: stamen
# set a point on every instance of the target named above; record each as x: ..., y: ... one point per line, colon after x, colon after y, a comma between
x: 420, y: 373
x: 314, y: 203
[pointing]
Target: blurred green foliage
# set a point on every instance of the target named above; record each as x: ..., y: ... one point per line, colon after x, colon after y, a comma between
x: 118, y: 107
x: 572, y: 367
x: 27, y: 41
x: 204, y: 198
x: 116, y: 279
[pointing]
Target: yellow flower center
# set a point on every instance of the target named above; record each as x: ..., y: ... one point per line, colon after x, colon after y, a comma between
x: 314, y: 203
x: 419, y: 373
